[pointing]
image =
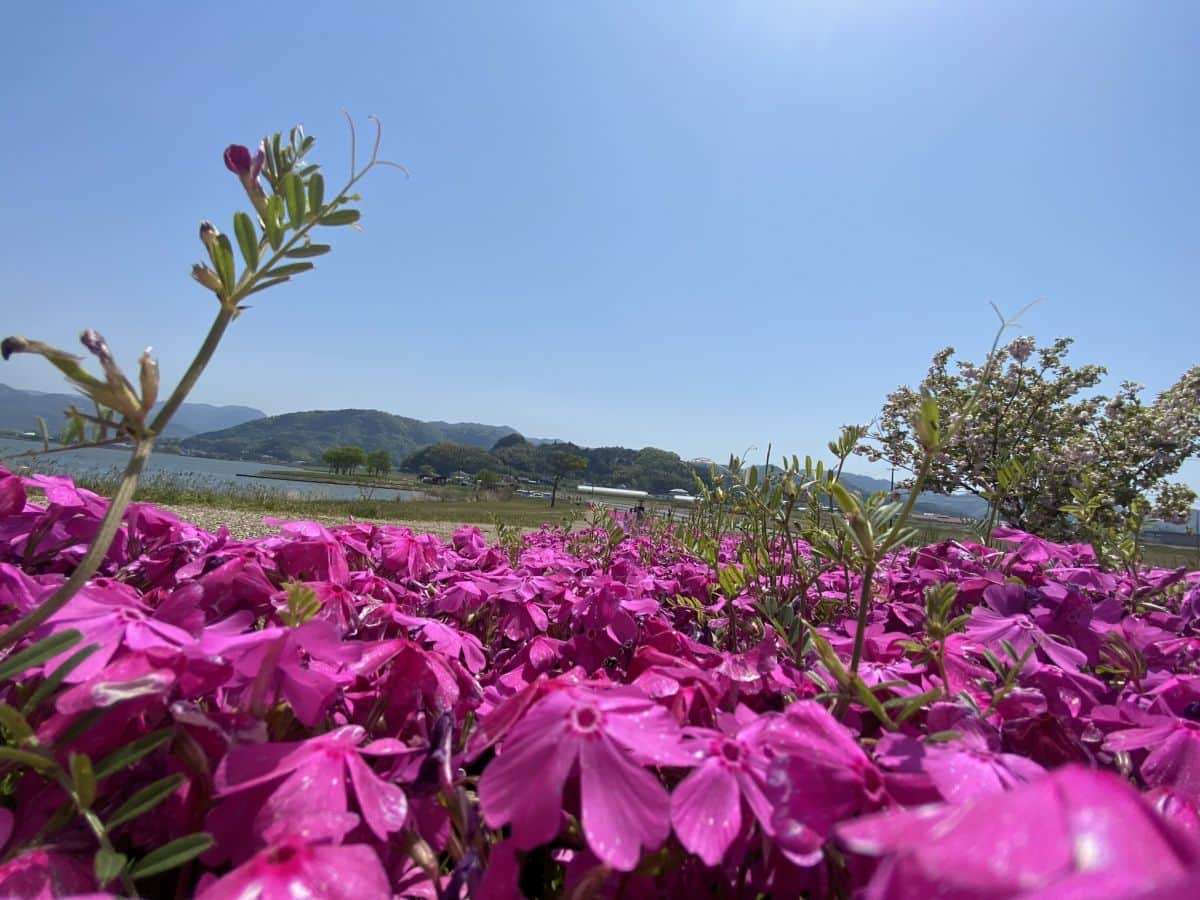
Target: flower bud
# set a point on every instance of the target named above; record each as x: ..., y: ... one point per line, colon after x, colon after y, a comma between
x: 148, y: 376
x: 208, y: 234
x: 207, y: 277
x: 247, y: 167
x: 12, y: 345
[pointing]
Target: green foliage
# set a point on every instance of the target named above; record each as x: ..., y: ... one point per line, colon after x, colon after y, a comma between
x: 1036, y: 432
x: 344, y: 460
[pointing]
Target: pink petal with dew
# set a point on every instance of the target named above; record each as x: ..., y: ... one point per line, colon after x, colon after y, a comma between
x: 523, y: 785
x: 625, y: 808
x: 706, y: 811
x: 383, y: 804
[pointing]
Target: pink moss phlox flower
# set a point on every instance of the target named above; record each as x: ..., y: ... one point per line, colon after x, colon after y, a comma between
x: 1072, y: 833
x: 1004, y: 616
x: 819, y: 776
x: 730, y: 770
x: 294, y: 868
x: 1173, y: 760
x: 319, y: 558
x: 306, y: 665
x: 608, y: 735
x: 12, y: 494
x: 43, y: 874
x: 110, y: 614
x: 310, y: 778
x: 446, y: 639
x: 973, y: 766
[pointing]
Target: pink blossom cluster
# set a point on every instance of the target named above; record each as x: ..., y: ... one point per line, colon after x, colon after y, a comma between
x: 451, y: 721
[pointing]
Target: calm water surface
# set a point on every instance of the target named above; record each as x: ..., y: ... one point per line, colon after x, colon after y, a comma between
x: 217, y: 471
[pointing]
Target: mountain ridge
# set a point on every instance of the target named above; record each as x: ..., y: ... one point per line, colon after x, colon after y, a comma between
x: 20, y: 410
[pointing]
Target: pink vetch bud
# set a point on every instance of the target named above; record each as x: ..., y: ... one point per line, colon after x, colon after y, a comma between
x: 241, y: 162
x: 247, y: 167
x: 120, y: 395
x: 207, y: 277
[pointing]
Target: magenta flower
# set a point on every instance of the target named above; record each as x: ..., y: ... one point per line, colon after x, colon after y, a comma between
x: 294, y: 869
x: 311, y: 779
x: 969, y: 767
x: 1004, y: 616
x: 607, y: 735
x: 1174, y: 758
x: 305, y: 665
x: 730, y: 769
x: 241, y: 162
x: 111, y: 614
x: 820, y: 775
x: 45, y: 873
x: 1074, y: 833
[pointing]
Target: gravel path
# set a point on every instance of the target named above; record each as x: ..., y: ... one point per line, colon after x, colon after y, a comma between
x: 243, y: 523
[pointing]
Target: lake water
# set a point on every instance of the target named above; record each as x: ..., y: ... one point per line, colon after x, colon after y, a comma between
x: 218, y: 471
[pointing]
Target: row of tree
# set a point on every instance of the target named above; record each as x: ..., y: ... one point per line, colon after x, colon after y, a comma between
x: 649, y: 469
x: 348, y: 460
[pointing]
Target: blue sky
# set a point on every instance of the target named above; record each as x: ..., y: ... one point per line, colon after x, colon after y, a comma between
x: 700, y: 226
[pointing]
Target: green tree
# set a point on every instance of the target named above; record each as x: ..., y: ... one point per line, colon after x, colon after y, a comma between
x: 1036, y: 436
x: 379, y: 462
x: 563, y: 463
x: 487, y: 480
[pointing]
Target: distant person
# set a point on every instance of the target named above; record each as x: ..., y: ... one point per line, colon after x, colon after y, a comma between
x: 639, y: 511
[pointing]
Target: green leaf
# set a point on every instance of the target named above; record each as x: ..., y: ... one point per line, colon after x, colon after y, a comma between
x: 146, y: 799
x: 316, y: 192
x: 846, y: 501
x: 28, y: 758
x: 38, y: 653
x: 293, y: 195
x: 247, y: 238
x: 222, y: 257
x: 132, y: 752
x: 81, y: 725
x: 168, y: 856
x: 289, y: 270
x: 51, y: 683
x: 309, y: 250
x: 340, y: 217
x: 108, y: 864
x: 871, y: 702
x: 263, y: 285
x: 19, y: 731
x: 272, y: 221
x: 84, y: 779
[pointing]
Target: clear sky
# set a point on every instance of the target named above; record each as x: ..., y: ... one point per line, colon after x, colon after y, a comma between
x: 700, y: 226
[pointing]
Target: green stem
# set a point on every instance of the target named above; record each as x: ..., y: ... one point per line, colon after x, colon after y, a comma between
x: 860, y: 632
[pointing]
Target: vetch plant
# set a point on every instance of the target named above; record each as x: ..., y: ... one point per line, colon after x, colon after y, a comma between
x: 275, y: 244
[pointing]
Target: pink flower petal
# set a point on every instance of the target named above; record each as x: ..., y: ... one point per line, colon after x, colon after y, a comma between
x: 706, y: 810
x: 625, y: 808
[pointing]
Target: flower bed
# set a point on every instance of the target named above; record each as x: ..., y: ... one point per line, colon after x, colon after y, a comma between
x: 363, y: 711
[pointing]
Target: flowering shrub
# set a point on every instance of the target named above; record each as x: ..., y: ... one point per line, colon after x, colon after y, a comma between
x: 364, y: 711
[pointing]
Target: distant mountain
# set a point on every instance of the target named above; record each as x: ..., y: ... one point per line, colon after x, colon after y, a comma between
x: 306, y: 435
x: 19, y: 411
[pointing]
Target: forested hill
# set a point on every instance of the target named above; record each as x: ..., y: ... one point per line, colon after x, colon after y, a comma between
x: 306, y: 435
